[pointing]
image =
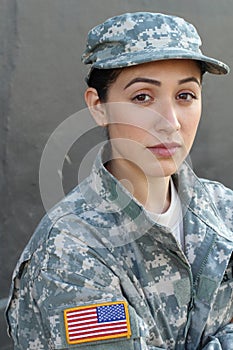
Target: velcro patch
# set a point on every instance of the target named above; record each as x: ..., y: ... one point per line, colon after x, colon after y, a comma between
x: 97, y: 322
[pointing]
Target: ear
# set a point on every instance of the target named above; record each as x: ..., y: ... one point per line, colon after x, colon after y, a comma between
x: 96, y: 107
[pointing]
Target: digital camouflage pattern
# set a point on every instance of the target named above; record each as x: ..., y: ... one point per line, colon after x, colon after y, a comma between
x: 134, y: 38
x: 98, y: 245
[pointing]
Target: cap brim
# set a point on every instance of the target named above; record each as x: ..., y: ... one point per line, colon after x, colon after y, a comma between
x: 211, y: 65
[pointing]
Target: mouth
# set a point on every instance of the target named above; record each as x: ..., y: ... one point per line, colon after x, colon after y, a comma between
x: 164, y: 150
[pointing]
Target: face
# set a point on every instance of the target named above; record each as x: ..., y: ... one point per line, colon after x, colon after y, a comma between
x: 153, y: 111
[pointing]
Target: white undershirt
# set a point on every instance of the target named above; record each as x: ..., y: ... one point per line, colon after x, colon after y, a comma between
x: 172, y: 218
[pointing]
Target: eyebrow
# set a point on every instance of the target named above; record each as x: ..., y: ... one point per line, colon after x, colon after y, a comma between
x: 187, y: 80
x: 158, y: 83
x: 143, y: 80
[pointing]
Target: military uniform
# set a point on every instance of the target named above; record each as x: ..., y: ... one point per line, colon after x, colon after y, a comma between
x: 98, y: 247
x: 99, y: 273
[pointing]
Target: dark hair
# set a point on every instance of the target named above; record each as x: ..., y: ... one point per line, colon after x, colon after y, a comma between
x: 101, y: 80
x: 202, y: 68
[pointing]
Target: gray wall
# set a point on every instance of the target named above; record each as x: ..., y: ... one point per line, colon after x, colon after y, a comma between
x: 42, y: 84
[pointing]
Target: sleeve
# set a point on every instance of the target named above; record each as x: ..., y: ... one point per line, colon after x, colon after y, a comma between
x: 77, y: 278
x: 223, y: 340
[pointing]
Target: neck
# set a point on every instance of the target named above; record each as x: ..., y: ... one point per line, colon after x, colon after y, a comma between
x: 152, y: 192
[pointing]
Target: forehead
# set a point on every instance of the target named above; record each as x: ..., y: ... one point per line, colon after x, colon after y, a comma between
x: 163, y: 68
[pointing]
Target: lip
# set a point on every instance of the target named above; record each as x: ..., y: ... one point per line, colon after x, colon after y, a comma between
x: 165, y: 150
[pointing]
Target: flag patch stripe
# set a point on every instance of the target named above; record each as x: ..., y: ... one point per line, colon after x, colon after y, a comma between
x: 97, y: 329
x: 103, y: 325
x: 94, y: 335
x: 97, y: 322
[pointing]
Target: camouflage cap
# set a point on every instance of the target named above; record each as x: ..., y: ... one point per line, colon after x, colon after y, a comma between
x: 140, y: 37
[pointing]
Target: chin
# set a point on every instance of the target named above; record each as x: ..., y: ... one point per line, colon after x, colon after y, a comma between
x: 163, y: 168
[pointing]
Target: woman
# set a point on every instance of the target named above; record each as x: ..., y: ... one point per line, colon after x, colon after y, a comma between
x: 139, y: 255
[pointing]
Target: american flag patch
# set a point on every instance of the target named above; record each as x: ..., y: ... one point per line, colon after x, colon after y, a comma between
x: 97, y: 322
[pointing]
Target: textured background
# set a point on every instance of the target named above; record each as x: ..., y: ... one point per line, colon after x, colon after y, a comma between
x: 42, y: 83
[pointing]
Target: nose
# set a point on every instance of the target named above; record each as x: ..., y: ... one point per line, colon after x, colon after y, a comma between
x: 167, y: 118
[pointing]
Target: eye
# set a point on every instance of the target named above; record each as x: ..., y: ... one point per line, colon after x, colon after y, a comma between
x: 186, y: 96
x: 142, y: 98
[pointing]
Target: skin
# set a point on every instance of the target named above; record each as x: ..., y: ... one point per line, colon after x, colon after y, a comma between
x: 152, y: 113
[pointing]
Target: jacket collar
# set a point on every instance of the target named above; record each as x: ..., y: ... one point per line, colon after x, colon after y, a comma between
x: 108, y: 195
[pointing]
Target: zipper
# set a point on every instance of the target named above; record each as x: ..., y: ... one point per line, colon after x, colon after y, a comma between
x: 190, y: 308
x: 191, y: 302
x: 192, y: 282
x: 204, y: 261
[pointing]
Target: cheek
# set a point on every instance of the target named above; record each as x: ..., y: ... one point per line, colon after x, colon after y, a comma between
x: 127, y: 121
x: 126, y: 131
x: 189, y: 129
x: 128, y: 114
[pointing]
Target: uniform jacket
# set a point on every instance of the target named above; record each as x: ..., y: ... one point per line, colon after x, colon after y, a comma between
x: 98, y: 246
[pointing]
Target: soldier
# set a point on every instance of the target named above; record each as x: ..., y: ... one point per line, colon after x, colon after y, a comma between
x: 138, y: 255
